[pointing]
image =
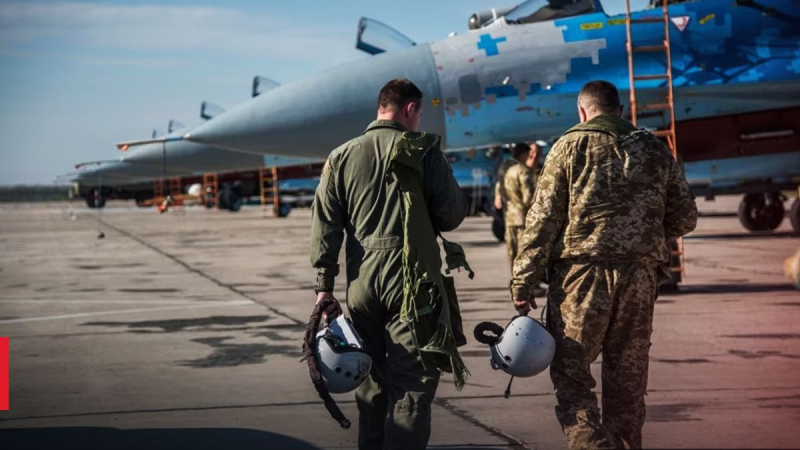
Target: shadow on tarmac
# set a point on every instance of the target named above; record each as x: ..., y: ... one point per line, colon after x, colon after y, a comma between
x: 90, y: 438
x: 97, y: 438
x: 733, y: 288
x: 744, y: 235
x: 174, y: 325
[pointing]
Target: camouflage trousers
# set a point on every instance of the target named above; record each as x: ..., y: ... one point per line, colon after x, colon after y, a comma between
x: 608, y: 308
x: 394, y: 403
x: 512, y: 238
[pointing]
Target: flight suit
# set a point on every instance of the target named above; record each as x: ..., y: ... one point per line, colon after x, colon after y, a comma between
x: 359, y: 197
x: 518, y: 187
x: 608, y: 200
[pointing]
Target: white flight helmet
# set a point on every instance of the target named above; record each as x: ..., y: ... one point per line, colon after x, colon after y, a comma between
x: 524, y: 349
x: 343, y: 363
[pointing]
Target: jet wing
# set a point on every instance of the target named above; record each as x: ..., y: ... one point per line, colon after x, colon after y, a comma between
x: 125, y: 145
x: 94, y: 163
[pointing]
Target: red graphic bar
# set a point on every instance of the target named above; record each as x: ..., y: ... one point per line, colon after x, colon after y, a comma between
x: 3, y: 374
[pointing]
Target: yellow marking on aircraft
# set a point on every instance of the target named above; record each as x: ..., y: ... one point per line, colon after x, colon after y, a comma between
x: 592, y: 26
x: 616, y: 21
x: 707, y: 18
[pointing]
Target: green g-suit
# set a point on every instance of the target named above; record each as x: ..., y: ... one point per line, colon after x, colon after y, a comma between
x: 359, y: 194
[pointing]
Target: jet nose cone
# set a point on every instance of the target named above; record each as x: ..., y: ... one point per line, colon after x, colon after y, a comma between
x: 313, y: 116
x: 292, y: 120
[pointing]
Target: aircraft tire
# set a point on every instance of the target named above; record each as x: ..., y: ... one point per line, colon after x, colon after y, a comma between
x: 284, y: 210
x: 235, y: 202
x: 228, y: 198
x: 90, y: 199
x: 141, y: 199
x: 672, y: 284
x: 794, y: 215
x: 761, y: 212
x: 499, y: 226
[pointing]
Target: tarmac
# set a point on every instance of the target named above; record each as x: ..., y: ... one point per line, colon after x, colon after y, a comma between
x: 183, y: 330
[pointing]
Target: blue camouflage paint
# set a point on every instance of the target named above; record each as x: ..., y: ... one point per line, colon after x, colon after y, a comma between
x: 722, y: 45
x: 489, y: 45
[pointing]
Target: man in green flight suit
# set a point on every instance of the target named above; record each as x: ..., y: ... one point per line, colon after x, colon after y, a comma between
x: 359, y: 193
x: 608, y: 200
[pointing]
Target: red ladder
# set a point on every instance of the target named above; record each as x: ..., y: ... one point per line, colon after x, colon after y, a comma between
x: 657, y: 108
x: 210, y: 190
x: 158, y: 192
x: 270, y: 194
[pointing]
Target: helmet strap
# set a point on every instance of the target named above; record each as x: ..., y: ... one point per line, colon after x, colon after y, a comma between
x: 310, y: 357
x: 507, y: 393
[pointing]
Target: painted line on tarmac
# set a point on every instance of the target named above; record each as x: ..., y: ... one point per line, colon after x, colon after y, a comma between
x: 124, y: 311
x: 105, y: 302
x: 464, y: 415
x: 197, y: 271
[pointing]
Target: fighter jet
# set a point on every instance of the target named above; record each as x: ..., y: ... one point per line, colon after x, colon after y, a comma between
x: 515, y: 76
x: 168, y: 156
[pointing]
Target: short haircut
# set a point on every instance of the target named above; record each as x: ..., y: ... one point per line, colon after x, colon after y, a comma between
x: 397, y: 93
x: 520, y: 150
x: 599, y: 96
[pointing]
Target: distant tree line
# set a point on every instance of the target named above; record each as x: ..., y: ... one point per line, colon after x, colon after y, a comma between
x: 35, y: 193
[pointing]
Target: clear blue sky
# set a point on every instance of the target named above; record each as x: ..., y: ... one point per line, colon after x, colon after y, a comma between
x: 78, y: 76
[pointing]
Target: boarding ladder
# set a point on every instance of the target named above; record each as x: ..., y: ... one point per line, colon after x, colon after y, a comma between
x: 175, y: 188
x: 175, y: 193
x: 270, y: 194
x: 158, y: 192
x: 655, y: 109
x: 210, y: 190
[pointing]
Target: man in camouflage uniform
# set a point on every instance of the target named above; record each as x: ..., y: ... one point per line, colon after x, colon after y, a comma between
x: 357, y: 193
x: 518, y: 184
x: 499, y: 193
x: 608, y: 200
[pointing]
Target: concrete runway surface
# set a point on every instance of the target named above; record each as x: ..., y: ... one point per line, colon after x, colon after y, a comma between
x: 183, y: 330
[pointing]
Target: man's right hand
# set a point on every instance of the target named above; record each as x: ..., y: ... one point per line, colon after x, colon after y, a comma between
x: 334, y: 309
x: 524, y: 306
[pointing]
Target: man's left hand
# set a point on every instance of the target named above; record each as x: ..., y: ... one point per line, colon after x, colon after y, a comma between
x: 524, y: 306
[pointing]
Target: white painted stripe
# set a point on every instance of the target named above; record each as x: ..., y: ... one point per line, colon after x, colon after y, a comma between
x: 109, y: 302
x: 126, y: 311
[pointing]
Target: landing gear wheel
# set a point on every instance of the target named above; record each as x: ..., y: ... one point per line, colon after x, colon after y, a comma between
x: 95, y: 199
x: 761, y: 212
x: 499, y: 226
x: 676, y: 275
x: 671, y: 285
x: 142, y: 199
x: 284, y: 209
x: 229, y: 199
x: 794, y: 215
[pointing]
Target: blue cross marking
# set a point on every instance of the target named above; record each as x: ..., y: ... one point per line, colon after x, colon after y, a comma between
x: 489, y: 45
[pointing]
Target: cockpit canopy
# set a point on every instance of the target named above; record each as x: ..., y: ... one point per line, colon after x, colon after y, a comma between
x: 533, y: 11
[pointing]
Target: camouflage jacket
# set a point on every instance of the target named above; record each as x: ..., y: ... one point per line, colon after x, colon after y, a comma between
x: 501, y: 173
x: 607, y: 192
x: 357, y: 193
x: 518, y: 185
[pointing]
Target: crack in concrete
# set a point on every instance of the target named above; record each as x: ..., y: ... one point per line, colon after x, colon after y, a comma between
x: 464, y: 415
